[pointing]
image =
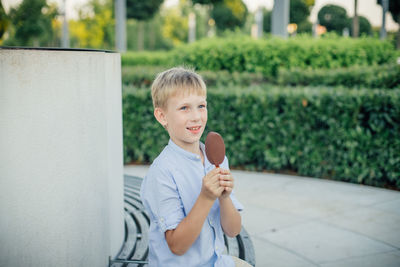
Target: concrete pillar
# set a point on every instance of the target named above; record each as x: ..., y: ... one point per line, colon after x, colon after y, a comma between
x: 280, y: 18
x: 61, y: 166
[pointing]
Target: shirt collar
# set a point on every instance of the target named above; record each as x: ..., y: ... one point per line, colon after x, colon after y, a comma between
x: 208, y: 166
x: 185, y: 153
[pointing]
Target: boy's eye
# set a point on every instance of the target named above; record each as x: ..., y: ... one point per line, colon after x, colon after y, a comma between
x: 202, y: 106
x: 184, y: 108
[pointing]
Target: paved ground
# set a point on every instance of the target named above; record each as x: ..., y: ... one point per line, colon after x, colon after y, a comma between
x: 299, y: 221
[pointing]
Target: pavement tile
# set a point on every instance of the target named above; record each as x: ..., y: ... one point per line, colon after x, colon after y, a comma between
x: 258, y: 220
x: 268, y: 254
x: 390, y: 205
x: 379, y: 224
x: 389, y: 259
x: 320, y: 242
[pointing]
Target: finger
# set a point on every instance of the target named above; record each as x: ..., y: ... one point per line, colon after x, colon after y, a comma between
x: 226, y: 183
x: 216, y: 182
x: 228, y: 189
x: 213, y: 172
x: 216, y: 170
x: 220, y: 190
x: 212, y: 175
x: 226, y: 178
x: 224, y: 171
x: 218, y: 177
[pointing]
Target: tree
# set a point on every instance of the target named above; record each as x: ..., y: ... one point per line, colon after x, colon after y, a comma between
x: 175, y: 27
x: 95, y: 26
x: 364, y: 26
x: 299, y: 12
x: 394, y: 9
x: 267, y: 15
x: 142, y: 11
x: 333, y: 17
x: 4, y: 22
x: 206, y: 2
x: 209, y: 6
x: 229, y: 14
x: 310, y: 3
x: 32, y: 20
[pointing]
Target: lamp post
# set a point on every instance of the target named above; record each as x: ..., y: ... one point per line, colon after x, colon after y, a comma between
x: 356, y: 23
x: 385, y: 7
x: 259, y: 22
x: 192, y: 27
x: 65, y: 32
x: 120, y: 25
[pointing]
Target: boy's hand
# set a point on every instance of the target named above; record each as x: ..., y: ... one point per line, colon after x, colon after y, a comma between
x: 211, y: 187
x: 226, y: 181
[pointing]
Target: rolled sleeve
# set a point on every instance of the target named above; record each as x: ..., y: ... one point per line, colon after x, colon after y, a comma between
x: 161, y: 197
x: 236, y: 202
x: 170, y: 221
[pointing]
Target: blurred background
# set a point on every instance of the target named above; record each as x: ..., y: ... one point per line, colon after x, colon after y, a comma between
x: 306, y: 87
x: 164, y: 24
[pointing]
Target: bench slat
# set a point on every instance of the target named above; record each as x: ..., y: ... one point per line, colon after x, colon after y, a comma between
x: 232, y: 246
x: 247, y: 251
x: 142, y: 244
x: 131, y: 237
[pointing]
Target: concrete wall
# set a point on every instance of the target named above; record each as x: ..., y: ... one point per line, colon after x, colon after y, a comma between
x: 61, y: 169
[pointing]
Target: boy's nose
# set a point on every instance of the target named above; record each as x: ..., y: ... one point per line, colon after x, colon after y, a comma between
x: 196, y: 115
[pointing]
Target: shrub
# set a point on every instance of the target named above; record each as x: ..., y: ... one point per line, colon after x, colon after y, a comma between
x: 384, y: 76
x: 140, y: 76
x: 143, y: 76
x: 336, y: 133
x: 146, y: 58
x: 267, y: 56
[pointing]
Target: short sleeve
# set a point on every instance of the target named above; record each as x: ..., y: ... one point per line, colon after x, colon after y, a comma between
x: 161, y: 198
x: 235, y: 202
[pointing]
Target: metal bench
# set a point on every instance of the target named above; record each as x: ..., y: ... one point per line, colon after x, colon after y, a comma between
x: 134, y: 251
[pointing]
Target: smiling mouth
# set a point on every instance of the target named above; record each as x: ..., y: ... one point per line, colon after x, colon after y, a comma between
x: 194, y: 128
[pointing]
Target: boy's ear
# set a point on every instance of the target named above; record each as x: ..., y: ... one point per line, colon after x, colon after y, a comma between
x: 160, y: 116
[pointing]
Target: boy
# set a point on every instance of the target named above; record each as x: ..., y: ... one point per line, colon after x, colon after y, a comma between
x: 190, y: 202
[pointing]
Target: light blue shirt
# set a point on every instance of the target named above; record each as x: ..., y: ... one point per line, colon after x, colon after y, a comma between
x: 169, y: 191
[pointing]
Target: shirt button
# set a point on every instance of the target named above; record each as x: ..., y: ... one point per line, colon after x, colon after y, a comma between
x: 216, y: 247
x: 162, y: 219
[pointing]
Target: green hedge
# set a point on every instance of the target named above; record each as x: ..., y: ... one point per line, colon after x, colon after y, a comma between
x: 383, y: 76
x: 143, y: 76
x: 140, y: 76
x: 147, y: 58
x: 269, y: 55
x: 348, y: 135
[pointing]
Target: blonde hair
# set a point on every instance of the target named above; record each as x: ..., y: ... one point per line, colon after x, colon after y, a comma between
x: 173, y: 81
